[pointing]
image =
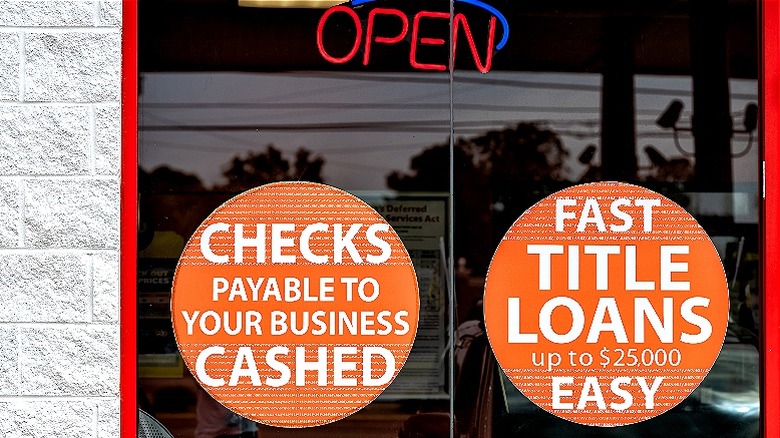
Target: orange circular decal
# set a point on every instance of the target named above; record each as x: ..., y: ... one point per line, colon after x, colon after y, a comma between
x: 606, y: 304
x: 294, y: 304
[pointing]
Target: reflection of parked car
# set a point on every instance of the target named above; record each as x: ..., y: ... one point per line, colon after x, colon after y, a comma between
x: 726, y: 404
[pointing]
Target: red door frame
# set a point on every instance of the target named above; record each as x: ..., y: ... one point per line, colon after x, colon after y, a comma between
x: 770, y: 330
x: 770, y: 88
x: 128, y: 392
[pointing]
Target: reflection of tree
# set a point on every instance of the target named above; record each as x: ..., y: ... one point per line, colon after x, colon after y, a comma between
x: 257, y: 168
x: 497, y: 176
x: 171, y: 200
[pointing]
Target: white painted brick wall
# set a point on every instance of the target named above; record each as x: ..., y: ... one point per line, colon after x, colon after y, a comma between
x: 59, y: 218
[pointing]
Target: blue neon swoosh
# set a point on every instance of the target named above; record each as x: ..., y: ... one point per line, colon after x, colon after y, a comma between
x: 477, y: 3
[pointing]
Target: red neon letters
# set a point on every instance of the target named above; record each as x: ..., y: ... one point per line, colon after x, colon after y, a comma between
x: 417, y: 39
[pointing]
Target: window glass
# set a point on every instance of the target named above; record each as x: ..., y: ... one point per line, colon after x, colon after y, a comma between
x: 656, y: 93
x: 596, y: 91
x: 234, y: 97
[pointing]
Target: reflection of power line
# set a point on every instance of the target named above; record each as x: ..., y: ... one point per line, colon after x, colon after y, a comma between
x: 641, y: 120
x: 217, y: 135
x: 432, y: 126
x: 378, y: 148
x: 327, y: 153
x: 303, y: 111
x: 524, y: 84
x: 234, y: 148
x: 351, y: 165
x: 298, y: 90
x: 642, y: 134
x: 389, y: 126
x: 376, y: 106
x: 404, y: 126
x: 346, y: 127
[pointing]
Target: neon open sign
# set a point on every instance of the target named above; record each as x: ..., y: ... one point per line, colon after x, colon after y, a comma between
x: 365, y: 39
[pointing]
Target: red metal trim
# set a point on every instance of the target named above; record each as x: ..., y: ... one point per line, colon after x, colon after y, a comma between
x: 770, y: 329
x: 770, y: 227
x: 128, y: 418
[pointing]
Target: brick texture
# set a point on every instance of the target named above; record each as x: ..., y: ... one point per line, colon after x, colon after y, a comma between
x: 72, y: 213
x: 59, y: 217
x: 9, y: 65
x: 44, y: 287
x: 44, y: 139
x: 79, y: 66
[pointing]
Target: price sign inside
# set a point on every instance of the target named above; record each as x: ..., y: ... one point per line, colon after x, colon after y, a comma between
x: 606, y: 304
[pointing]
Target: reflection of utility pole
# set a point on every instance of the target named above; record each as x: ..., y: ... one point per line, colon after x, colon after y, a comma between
x: 712, y: 126
x: 618, y: 139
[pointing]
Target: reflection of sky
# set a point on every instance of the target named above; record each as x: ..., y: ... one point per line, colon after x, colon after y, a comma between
x: 356, y: 159
x: 365, y: 125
